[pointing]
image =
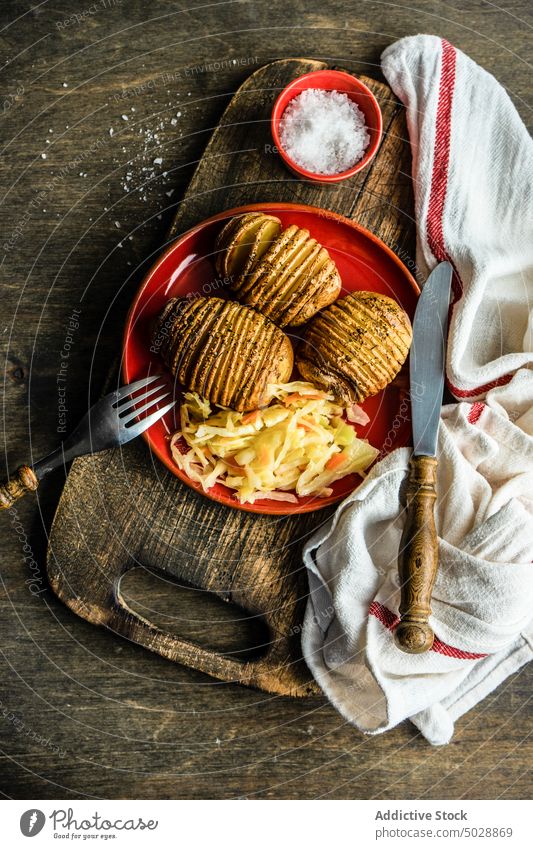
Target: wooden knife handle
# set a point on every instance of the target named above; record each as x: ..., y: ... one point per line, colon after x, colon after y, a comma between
x: 418, y: 558
x: 24, y: 480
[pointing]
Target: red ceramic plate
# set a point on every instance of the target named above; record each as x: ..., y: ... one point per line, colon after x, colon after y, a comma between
x: 364, y: 262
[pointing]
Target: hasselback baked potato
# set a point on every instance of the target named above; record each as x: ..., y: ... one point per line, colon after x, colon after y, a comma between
x: 356, y: 346
x: 242, y: 242
x: 226, y: 352
x: 285, y: 274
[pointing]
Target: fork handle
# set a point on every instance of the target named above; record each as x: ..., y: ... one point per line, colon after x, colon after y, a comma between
x: 23, y: 481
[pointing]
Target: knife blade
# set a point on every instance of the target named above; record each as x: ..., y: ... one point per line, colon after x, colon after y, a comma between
x: 418, y: 555
x: 427, y: 359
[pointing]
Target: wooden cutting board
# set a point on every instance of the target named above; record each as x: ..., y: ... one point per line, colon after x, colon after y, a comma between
x: 121, y: 510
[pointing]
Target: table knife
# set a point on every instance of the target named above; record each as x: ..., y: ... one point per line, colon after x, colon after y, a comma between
x: 418, y: 555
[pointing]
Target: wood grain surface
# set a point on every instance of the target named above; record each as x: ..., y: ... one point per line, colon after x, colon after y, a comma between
x: 84, y: 713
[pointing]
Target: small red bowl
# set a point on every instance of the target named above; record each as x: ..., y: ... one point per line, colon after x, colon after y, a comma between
x: 331, y: 81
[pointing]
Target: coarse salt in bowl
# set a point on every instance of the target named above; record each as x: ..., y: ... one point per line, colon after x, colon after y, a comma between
x: 326, y: 126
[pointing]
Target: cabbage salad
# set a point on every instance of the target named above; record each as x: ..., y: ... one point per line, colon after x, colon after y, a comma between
x: 297, y: 446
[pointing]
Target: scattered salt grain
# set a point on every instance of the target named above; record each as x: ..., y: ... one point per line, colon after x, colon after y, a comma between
x: 143, y: 174
x: 117, y: 223
x: 65, y: 85
x: 111, y: 131
x: 43, y: 155
x: 124, y: 117
x: 323, y: 131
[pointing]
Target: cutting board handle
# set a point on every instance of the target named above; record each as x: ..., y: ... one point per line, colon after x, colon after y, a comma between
x: 418, y: 558
x: 128, y: 623
x: 262, y: 672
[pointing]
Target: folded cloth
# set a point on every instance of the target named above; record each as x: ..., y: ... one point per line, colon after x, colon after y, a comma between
x: 473, y: 178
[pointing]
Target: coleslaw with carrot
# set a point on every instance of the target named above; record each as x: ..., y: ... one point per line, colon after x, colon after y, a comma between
x: 297, y: 446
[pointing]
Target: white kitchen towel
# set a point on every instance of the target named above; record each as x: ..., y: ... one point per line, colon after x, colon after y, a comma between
x: 473, y: 179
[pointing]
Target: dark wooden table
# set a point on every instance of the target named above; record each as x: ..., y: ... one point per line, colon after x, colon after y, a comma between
x: 83, y: 713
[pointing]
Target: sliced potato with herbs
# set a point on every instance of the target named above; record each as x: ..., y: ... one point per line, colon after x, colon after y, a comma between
x: 264, y: 238
x: 294, y: 279
x: 355, y: 347
x: 285, y: 274
x: 224, y: 351
x: 243, y: 241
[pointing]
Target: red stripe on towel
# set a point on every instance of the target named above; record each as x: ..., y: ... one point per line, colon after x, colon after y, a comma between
x: 441, y: 155
x: 437, y: 198
x: 475, y: 412
x: 480, y: 390
x: 451, y: 651
x: 390, y: 620
x: 385, y: 616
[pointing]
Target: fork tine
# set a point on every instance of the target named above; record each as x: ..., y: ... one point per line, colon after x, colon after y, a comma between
x: 128, y: 403
x: 140, y: 427
x: 133, y: 387
x: 125, y: 419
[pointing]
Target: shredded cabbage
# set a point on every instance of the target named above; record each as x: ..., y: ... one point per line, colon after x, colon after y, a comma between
x: 298, y: 445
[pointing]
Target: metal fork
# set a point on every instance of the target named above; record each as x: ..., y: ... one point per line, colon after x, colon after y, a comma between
x: 109, y: 422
